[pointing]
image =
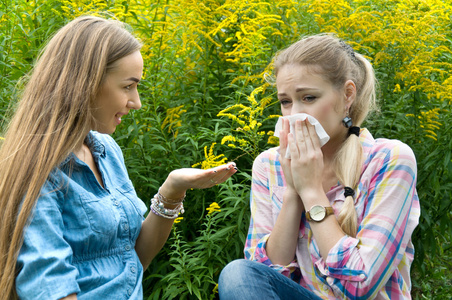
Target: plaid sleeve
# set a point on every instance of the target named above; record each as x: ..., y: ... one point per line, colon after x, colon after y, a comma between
x: 360, y: 267
x: 264, y: 209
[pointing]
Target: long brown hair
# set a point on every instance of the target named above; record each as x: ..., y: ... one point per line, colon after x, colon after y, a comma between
x: 53, y: 117
x: 337, y: 62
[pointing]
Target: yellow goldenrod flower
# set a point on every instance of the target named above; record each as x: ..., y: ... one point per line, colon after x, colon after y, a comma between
x: 273, y: 140
x: 214, y: 207
x: 172, y: 119
x: 211, y: 160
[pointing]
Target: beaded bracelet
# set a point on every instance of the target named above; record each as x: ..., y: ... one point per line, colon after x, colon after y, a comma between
x: 158, y: 207
x: 165, y: 200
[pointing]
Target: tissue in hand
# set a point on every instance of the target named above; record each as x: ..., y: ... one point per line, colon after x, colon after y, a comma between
x: 323, y: 136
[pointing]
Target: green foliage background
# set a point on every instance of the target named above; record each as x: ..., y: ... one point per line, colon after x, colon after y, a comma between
x: 206, y: 57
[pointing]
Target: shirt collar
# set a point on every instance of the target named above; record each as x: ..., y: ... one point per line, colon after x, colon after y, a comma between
x: 96, y: 147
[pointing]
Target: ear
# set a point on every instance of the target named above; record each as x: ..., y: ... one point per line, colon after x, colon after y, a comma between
x: 350, y: 92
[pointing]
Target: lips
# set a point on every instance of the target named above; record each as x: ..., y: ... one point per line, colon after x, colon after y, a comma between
x: 118, y: 117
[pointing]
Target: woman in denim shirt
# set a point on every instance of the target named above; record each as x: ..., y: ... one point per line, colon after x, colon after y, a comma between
x: 72, y: 225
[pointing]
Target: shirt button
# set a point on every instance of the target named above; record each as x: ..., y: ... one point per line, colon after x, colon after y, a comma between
x: 362, y: 276
x: 126, y: 227
x: 129, y: 291
x: 132, y: 269
x: 127, y: 247
x: 116, y: 202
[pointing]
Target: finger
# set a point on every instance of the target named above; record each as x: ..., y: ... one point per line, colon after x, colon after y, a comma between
x: 300, y: 136
x: 283, y: 137
x: 224, y: 167
x: 221, y: 174
x: 314, y: 138
x: 286, y: 125
x: 293, y: 147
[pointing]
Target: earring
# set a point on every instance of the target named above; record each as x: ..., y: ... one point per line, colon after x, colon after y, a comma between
x: 347, y: 121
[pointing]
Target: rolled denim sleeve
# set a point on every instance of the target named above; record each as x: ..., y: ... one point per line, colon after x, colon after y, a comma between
x: 44, y: 261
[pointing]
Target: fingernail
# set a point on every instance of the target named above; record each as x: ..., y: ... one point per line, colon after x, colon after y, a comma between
x: 214, y: 171
x: 235, y: 168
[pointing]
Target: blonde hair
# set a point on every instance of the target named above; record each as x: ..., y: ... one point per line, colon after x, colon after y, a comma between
x: 336, y: 62
x: 53, y: 117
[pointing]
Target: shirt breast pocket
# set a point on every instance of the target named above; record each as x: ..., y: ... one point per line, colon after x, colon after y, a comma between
x: 128, y: 191
x: 103, y: 219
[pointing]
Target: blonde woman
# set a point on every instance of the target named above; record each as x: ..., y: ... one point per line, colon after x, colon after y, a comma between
x: 332, y: 221
x: 72, y: 226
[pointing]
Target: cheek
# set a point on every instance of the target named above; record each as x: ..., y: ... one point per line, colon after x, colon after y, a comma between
x: 285, y: 111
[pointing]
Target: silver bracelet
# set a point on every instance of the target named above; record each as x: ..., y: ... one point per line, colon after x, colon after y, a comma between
x: 162, y: 215
x: 158, y: 208
x: 165, y: 200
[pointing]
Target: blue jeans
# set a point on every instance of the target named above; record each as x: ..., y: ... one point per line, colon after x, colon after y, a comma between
x: 245, y: 279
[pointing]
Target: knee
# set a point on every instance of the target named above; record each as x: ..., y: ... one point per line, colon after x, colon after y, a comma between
x: 234, y: 275
x: 232, y: 272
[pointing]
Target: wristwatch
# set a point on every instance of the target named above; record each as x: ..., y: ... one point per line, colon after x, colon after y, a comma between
x: 318, y: 213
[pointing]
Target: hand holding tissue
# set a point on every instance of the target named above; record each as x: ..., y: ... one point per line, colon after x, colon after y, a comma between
x: 323, y: 136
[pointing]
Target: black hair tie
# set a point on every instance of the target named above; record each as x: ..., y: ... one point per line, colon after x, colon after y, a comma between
x: 348, y: 191
x: 354, y: 130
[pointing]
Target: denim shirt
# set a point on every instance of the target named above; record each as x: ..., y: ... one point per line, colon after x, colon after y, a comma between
x: 81, y: 236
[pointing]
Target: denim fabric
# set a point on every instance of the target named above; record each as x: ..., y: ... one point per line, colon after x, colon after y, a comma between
x: 81, y: 237
x: 251, y: 280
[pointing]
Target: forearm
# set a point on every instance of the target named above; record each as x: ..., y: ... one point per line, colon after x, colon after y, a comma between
x: 327, y: 232
x: 156, y: 229
x: 282, y: 243
x: 153, y: 235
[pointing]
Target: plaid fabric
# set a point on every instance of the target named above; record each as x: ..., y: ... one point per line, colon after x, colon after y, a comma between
x: 373, y: 265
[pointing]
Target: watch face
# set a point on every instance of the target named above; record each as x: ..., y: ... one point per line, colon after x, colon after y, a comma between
x: 317, y: 213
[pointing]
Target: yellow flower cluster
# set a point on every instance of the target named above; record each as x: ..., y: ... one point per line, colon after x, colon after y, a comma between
x: 429, y: 122
x: 409, y: 36
x: 211, y: 160
x: 247, y: 118
x: 214, y: 207
x: 74, y: 8
x: 173, y: 119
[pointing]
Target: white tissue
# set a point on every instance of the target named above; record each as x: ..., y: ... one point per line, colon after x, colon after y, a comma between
x: 323, y: 136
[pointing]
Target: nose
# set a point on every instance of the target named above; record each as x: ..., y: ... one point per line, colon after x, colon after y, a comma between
x: 134, y: 103
x: 296, y: 108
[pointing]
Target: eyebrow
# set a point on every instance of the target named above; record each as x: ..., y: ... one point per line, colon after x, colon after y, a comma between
x: 133, y: 79
x: 301, y: 89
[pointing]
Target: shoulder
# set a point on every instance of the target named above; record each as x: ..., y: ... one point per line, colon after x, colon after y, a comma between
x: 269, y: 156
x: 267, y: 167
x: 383, y: 151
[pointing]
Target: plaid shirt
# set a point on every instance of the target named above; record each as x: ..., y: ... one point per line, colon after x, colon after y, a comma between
x: 373, y: 265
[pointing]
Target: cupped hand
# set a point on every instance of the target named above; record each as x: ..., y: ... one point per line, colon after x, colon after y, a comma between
x: 306, y: 163
x: 180, y: 180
